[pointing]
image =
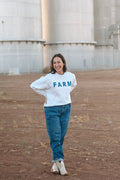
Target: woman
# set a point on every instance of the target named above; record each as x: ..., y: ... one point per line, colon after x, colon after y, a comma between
x: 56, y: 87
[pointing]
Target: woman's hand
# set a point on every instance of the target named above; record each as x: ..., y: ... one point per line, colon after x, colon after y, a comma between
x: 45, y: 100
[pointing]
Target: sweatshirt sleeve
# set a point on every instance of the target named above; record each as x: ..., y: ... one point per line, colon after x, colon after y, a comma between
x: 41, y: 85
x: 74, y: 83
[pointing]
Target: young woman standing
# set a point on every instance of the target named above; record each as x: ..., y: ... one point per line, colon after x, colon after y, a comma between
x: 56, y: 87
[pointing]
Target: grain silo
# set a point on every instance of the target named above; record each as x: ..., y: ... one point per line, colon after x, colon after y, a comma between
x: 68, y: 28
x: 104, y: 14
x: 106, y: 18
x: 21, y: 44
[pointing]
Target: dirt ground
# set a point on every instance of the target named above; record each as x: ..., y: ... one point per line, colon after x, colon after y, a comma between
x: 92, y: 143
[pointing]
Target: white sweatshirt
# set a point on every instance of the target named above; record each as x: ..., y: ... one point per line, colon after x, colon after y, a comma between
x: 55, y: 87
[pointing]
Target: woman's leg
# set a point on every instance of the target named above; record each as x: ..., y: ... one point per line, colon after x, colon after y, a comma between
x: 65, y: 117
x: 64, y: 121
x: 52, y: 115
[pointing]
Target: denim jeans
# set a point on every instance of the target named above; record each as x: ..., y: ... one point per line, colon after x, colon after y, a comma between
x: 57, y: 120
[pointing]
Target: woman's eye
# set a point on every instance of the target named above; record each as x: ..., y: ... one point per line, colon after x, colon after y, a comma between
x: 58, y: 62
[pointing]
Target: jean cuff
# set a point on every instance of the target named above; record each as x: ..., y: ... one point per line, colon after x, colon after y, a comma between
x: 60, y: 159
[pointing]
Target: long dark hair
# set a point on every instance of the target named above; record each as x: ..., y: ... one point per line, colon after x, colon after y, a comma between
x: 52, y: 70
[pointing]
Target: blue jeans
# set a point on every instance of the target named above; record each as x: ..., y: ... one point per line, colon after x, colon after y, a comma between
x: 57, y: 120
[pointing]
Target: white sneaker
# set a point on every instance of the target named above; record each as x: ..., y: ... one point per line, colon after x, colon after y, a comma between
x: 54, y: 168
x: 61, y: 168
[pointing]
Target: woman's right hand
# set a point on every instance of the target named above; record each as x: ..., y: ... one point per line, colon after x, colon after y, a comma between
x: 45, y: 100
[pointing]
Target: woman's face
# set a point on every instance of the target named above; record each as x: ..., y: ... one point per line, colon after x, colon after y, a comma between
x: 58, y: 65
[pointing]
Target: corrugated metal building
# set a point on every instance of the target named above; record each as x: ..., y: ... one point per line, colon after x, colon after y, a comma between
x: 86, y: 32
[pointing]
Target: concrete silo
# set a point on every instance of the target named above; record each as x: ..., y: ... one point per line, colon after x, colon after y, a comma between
x: 68, y: 28
x: 105, y: 16
x: 107, y: 34
x: 21, y: 44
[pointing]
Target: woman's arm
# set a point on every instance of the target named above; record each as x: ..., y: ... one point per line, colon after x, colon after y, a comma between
x: 74, y: 83
x: 41, y: 85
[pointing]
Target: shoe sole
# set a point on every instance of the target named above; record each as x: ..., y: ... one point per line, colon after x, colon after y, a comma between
x: 55, y: 172
x: 66, y: 174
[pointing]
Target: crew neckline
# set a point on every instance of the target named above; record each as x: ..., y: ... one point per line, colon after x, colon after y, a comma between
x: 60, y: 74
